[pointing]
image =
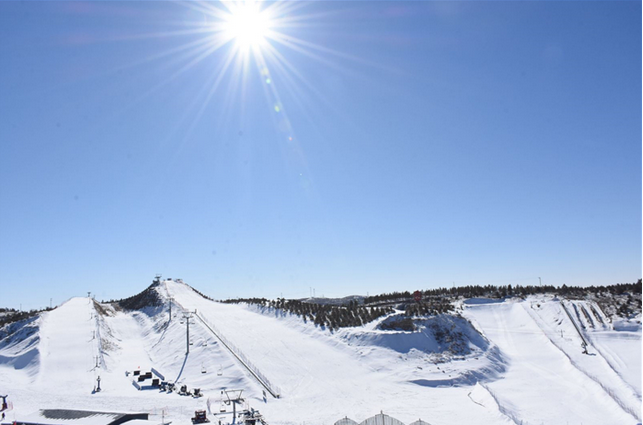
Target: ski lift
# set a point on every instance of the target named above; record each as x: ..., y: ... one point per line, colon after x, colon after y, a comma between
x: 233, y: 398
x: 222, y: 406
x: 220, y: 371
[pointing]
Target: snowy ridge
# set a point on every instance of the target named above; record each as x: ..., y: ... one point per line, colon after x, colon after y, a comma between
x: 19, y: 344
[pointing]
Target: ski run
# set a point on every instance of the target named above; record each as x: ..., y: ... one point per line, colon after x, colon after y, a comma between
x: 539, y: 360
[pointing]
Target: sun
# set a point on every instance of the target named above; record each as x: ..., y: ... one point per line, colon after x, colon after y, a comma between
x: 247, y: 24
x: 240, y: 35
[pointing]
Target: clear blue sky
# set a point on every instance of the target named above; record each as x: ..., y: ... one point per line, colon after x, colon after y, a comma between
x: 432, y: 143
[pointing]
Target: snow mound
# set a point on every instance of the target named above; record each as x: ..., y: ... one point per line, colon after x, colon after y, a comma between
x: 19, y: 345
x: 442, y: 333
x: 626, y: 325
x: 440, y: 351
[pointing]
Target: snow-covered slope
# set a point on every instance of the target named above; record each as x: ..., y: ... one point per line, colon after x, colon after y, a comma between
x: 616, y: 342
x: 549, y: 379
x: 324, y: 376
x: 501, y: 363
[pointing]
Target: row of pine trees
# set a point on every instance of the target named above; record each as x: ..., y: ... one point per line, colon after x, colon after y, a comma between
x: 325, y: 315
x: 493, y: 291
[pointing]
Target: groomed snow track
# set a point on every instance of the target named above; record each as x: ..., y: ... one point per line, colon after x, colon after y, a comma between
x: 592, y: 365
x: 273, y: 390
x: 547, y: 376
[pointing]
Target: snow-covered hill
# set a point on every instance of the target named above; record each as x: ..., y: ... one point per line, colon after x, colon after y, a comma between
x: 517, y: 361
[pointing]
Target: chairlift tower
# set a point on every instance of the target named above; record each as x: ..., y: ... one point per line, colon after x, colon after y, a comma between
x: 187, y: 317
x: 234, y: 398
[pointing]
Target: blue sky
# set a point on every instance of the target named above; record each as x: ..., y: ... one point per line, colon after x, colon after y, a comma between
x: 432, y: 143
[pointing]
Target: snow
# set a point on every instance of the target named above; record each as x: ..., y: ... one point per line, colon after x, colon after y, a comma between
x: 549, y: 375
x: 514, y: 361
x: 320, y: 372
x: 72, y: 322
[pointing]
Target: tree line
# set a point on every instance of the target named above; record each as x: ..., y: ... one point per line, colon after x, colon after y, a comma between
x: 324, y: 315
x: 12, y: 315
x: 493, y: 291
x: 430, y: 307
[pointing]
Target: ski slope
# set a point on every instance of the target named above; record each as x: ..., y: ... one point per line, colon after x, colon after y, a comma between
x: 68, y: 343
x: 322, y: 378
x: 549, y: 380
x: 63, y: 371
x: 618, y: 344
x: 525, y: 365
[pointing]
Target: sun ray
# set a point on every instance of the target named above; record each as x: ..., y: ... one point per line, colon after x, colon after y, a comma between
x: 217, y: 77
x: 287, y: 68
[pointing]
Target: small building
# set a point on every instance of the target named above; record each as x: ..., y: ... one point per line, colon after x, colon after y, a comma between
x: 147, y: 380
